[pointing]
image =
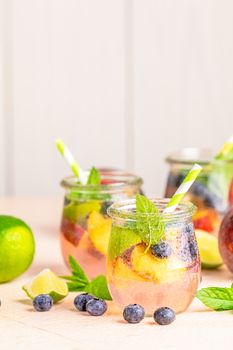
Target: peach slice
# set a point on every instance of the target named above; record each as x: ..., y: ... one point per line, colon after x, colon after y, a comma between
x: 99, y: 229
x: 159, y: 270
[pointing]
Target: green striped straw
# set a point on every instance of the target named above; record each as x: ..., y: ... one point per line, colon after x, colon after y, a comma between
x: 226, y: 152
x: 183, y: 189
x: 66, y: 153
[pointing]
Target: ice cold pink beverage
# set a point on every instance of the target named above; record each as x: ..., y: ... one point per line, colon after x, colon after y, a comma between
x: 86, y: 239
x: 164, y: 274
x: 85, y: 225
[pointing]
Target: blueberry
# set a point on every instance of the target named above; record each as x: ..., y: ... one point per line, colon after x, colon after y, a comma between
x: 174, y: 180
x: 189, y: 228
x: 179, y: 179
x: 42, y: 302
x: 133, y: 313
x: 161, y: 250
x: 105, y: 206
x: 210, y: 199
x: 81, y: 300
x: 198, y: 189
x: 189, y: 250
x: 164, y: 316
x: 193, y: 249
x: 96, y: 307
x: 185, y: 252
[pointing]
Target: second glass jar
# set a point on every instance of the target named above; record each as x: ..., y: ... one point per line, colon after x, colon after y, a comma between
x: 85, y: 225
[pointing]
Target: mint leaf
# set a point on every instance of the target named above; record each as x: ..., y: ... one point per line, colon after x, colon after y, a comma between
x: 74, y: 279
x: 75, y: 287
x: 99, y: 288
x: 77, y: 270
x: 78, y: 282
x: 94, y: 177
x: 121, y: 240
x: 94, y: 193
x: 149, y: 227
x: 217, y: 298
x: 144, y: 205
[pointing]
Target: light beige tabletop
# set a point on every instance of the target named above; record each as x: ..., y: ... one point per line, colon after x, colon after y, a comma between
x: 64, y: 328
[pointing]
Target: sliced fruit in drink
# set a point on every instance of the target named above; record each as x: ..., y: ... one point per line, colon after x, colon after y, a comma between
x: 72, y: 232
x: 78, y: 212
x: 85, y: 242
x: 206, y: 220
x: 121, y: 240
x: 124, y: 273
x: 160, y: 270
x: 86, y: 245
x: 208, y: 248
x: 99, y: 229
x: 46, y: 282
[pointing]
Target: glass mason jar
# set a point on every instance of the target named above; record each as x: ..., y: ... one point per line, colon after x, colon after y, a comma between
x: 212, y: 192
x: 159, y: 275
x: 85, y: 225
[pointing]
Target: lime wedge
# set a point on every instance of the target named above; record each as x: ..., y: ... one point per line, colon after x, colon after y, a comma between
x: 46, y: 282
x: 208, y: 248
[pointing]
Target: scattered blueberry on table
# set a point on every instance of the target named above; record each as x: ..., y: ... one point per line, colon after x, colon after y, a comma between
x: 164, y: 316
x: 133, y: 313
x: 81, y: 300
x: 96, y: 307
x: 42, y: 302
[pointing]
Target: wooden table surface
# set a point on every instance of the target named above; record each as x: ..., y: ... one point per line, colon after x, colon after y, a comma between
x: 64, y: 328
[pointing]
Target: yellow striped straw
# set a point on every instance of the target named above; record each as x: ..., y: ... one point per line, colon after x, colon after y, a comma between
x: 226, y: 152
x: 183, y: 189
x: 68, y: 156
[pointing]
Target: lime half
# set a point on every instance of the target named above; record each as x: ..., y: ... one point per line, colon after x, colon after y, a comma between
x: 208, y: 248
x: 46, y: 282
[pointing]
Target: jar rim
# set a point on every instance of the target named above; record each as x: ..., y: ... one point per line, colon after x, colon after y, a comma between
x: 191, y: 155
x: 126, y: 210
x: 120, y: 181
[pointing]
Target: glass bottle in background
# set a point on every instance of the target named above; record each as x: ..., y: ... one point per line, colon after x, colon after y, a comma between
x: 212, y: 191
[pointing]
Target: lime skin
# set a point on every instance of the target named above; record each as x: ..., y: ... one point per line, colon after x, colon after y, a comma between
x: 17, y: 247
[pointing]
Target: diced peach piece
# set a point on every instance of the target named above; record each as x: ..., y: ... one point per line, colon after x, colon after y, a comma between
x: 159, y: 270
x: 122, y: 270
x: 99, y: 229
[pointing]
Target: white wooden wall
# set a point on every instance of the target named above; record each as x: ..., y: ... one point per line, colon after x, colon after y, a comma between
x: 123, y: 82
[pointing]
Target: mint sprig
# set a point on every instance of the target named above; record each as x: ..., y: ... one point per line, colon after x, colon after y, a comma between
x: 217, y: 298
x: 150, y: 226
x: 94, y: 193
x: 79, y: 282
x: 98, y: 287
x: 94, y: 177
x: 77, y: 271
